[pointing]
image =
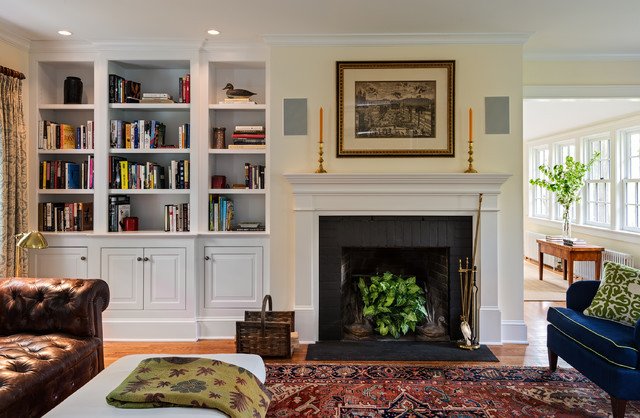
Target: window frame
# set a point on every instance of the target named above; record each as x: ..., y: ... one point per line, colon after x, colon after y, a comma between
x: 627, y: 160
x: 597, y: 204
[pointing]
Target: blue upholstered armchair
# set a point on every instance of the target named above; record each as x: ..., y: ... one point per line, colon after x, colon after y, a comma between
x: 606, y: 352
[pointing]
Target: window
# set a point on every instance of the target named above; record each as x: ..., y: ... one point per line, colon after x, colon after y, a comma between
x: 564, y: 150
x: 598, y: 187
x: 631, y: 179
x: 539, y: 196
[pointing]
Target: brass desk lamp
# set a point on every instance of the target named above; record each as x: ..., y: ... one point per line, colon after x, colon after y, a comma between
x: 28, y: 240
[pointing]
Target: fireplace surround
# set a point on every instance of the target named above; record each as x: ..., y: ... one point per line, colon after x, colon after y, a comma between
x: 396, y: 195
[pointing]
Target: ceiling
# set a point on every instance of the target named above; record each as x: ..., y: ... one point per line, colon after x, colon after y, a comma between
x: 554, y: 26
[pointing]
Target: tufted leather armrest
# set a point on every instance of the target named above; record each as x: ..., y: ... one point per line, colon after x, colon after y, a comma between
x: 42, y: 306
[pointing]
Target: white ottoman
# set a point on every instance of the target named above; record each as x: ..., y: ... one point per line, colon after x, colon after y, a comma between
x: 89, y: 400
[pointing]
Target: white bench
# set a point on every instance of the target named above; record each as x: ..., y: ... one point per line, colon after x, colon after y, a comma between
x: 89, y: 400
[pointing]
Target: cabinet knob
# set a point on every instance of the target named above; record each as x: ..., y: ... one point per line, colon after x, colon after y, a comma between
x: 146, y: 259
x: 206, y: 257
x: 139, y: 258
x: 83, y: 258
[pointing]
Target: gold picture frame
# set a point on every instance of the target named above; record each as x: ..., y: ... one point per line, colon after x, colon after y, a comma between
x: 395, y: 108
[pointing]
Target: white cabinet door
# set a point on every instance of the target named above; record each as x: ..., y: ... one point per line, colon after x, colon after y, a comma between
x: 164, y: 278
x: 64, y: 262
x: 123, y: 270
x: 233, y: 277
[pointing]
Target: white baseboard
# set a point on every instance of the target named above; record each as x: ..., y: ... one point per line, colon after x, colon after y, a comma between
x: 514, y: 332
x: 145, y: 330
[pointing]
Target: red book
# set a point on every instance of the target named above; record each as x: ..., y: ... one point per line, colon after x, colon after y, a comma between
x: 256, y: 136
x: 187, y: 82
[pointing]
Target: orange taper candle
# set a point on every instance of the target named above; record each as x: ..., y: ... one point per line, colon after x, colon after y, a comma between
x: 321, y: 121
x: 470, y: 125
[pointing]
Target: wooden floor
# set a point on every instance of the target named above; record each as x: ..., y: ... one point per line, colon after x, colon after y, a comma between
x: 533, y: 354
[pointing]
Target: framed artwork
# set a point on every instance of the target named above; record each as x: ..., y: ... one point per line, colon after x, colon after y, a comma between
x: 395, y: 108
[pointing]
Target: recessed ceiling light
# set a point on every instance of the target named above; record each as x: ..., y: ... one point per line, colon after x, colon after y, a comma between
x: 213, y: 32
x: 65, y: 33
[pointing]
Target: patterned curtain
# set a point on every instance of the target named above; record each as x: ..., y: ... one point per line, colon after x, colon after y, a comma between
x: 13, y: 171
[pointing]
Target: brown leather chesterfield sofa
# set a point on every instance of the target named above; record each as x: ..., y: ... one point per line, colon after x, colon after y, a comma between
x: 50, y: 341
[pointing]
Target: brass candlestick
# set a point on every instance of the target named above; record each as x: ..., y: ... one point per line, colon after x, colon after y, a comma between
x: 470, y: 169
x: 320, y: 159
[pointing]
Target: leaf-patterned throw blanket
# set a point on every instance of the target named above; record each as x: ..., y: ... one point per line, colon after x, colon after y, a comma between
x: 192, y: 382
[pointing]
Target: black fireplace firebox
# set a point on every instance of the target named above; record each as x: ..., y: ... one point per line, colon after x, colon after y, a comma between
x: 427, y: 247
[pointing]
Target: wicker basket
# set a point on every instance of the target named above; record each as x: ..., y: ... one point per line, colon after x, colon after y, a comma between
x: 266, y: 333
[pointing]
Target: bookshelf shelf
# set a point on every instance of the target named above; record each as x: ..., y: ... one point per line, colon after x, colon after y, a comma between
x: 149, y: 151
x: 237, y: 191
x: 248, y: 151
x: 151, y: 106
x: 65, y: 191
x: 65, y: 151
x: 234, y: 106
x: 70, y: 107
x: 151, y: 191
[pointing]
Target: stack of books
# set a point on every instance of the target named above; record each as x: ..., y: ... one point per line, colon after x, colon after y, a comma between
x: 554, y: 238
x: 237, y: 100
x: 156, y: 98
x: 248, y: 137
x: 574, y: 242
x: 249, y: 226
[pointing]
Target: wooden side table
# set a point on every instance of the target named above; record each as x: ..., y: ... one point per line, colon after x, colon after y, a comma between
x: 569, y: 254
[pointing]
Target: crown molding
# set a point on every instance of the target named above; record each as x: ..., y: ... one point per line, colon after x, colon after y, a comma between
x: 15, y: 40
x: 62, y: 46
x: 581, y: 92
x: 559, y: 56
x: 399, y: 39
x: 150, y: 45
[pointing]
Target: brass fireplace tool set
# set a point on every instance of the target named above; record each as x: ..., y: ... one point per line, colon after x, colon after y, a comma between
x: 469, y: 294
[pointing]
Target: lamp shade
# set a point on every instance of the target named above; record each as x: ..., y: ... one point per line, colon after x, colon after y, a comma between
x: 32, y: 239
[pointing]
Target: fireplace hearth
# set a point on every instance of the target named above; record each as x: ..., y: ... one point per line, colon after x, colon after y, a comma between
x: 427, y: 247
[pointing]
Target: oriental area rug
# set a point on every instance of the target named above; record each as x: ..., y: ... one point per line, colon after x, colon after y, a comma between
x: 342, y: 390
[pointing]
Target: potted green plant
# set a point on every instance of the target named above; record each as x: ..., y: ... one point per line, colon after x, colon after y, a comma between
x: 395, y: 304
x: 565, y: 181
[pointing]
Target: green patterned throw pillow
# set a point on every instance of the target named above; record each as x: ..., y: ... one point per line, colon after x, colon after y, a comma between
x: 618, y: 297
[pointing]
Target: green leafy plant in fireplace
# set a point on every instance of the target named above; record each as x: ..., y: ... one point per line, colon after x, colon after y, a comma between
x: 393, y: 303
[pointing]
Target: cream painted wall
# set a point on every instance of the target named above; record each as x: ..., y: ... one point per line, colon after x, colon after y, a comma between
x: 481, y: 71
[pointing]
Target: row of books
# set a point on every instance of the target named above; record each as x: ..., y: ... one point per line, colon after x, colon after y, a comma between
x: 176, y: 218
x: 119, y: 208
x: 220, y: 213
x: 140, y: 134
x: 253, y: 176
x: 123, y: 91
x: 184, y: 87
x: 65, y: 217
x: 53, y: 135
x: 59, y: 174
x: 179, y: 174
x: 184, y: 136
x: 125, y: 174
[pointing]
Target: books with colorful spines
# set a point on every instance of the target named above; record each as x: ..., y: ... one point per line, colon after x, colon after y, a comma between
x: 237, y: 134
x: 246, y: 146
x: 241, y: 141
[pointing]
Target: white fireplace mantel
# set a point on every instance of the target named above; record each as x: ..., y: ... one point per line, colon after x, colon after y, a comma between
x: 395, y: 194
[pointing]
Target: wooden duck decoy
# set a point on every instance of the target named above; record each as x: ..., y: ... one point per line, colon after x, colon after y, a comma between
x: 233, y: 93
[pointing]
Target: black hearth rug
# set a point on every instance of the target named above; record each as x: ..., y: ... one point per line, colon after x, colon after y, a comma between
x: 395, y: 351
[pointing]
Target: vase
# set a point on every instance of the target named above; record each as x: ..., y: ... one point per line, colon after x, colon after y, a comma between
x: 566, y: 221
x: 72, y: 90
